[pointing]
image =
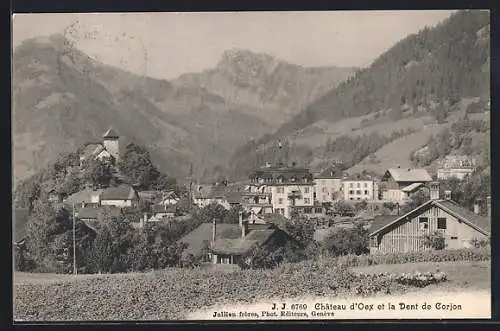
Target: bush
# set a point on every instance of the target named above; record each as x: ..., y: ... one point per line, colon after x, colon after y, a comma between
x: 435, y: 241
x: 346, y: 241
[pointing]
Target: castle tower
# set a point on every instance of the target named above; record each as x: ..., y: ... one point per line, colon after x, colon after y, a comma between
x: 111, y: 143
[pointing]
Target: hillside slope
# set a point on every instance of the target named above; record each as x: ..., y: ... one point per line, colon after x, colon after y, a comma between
x: 271, y: 89
x: 424, y: 75
x: 63, y: 99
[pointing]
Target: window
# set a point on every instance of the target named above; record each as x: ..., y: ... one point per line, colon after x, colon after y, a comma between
x: 358, y: 192
x: 308, y: 210
x: 366, y: 192
x: 307, y: 201
x: 351, y: 198
x: 280, y: 190
x: 454, y: 238
x: 280, y: 201
x: 358, y: 185
x: 441, y: 223
x: 318, y: 210
x: 365, y: 185
x: 424, y: 222
x: 323, y: 189
x: 351, y: 192
x: 351, y: 185
x: 306, y: 190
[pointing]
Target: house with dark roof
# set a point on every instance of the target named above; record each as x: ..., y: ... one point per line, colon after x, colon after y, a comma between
x: 399, y: 184
x: 328, y: 185
x: 90, y: 215
x: 20, y: 220
x: 403, y: 233
x: 85, y: 198
x: 229, y: 243
x: 120, y: 196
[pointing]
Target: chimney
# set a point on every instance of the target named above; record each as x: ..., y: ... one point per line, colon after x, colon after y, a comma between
x: 214, y: 230
x: 447, y: 195
x: 488, y: 205
x: 144, y: 220
x: 244, y: 229
x: 476, y: 207
x: 434, y: 189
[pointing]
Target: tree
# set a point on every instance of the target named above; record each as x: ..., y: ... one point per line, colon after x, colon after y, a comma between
x: 45, y: 223
x: 347, y: 241
x: 213, y: 211
x: 417, y: 199
x: 342, y: 207
x: 97, y: 172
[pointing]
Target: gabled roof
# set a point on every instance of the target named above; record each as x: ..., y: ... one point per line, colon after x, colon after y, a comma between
x: 233, y: 197
x: 111, y: 134
x: 241, y: 246
x: 478, y: 222
x: 381, y: 221
x: 411, y: 187
x: 330, y: 172
x: 20, y: 216
x: 408, y: 175
x: 93, y: 213
x: 91, y: 150
x: 122, y: 192
x: 481, y: 222
x: 195, y: 238
x: 360, y: 177
x: 82, y: 196
x: 164, y: 209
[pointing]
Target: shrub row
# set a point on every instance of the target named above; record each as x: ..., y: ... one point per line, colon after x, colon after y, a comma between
x: 466, y: 254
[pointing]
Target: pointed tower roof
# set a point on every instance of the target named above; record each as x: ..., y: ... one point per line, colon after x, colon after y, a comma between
x: 111, y: 134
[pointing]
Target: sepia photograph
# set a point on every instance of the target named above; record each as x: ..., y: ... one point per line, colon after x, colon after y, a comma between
x: 209, y: 166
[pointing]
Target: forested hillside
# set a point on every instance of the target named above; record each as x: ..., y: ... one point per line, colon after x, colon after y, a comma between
x: 414, y: 86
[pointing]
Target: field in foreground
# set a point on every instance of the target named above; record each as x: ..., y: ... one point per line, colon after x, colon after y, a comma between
x: 177, y: 293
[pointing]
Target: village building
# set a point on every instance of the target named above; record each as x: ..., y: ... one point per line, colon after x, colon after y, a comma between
x: 290, y: 187
x: 90, y: 215
x: 256, y: 199
x: 169, y: 198
x: 399, y: 184
x: 456, y: 166
x: 328, y: 185
x: 107, y: 150
x: 120, y: 196
x: 230, y: 243
x: 204, y: 196
x: 403, y: 233
x: 163, y: 213
x: 360, y: 187
x: 85, y: 198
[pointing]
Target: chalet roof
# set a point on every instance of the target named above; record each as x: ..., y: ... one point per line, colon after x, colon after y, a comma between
x: 122, y: 192
x: 83, y: 196
x: 164, y: 209
x: 233, y: 197
x: 91, y: 149
x: 412, y: 187
x: 20, y: 216
x: 111, y: 134
x: 93, y: 213
x: 242, y: 245
x: 478, y: 222
x: 360, y: 177
x: 409, y: 175
x: 286, y: 173
x: 330, y: 172
x: 195, y: 238
x: 381, y: 221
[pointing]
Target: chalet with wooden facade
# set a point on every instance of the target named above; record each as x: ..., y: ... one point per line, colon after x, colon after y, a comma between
x: 459, y: 226
x: 399, y: 184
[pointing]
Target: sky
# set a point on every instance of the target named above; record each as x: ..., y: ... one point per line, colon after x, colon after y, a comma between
x: 166, y: 45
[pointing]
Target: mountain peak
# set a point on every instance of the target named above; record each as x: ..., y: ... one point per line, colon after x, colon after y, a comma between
x: 58, y: 41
